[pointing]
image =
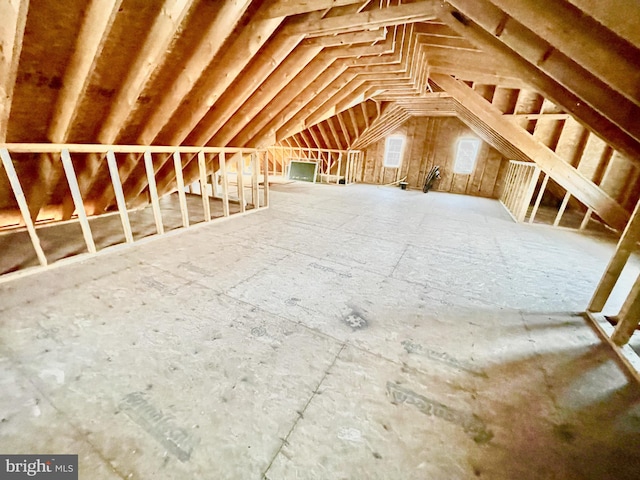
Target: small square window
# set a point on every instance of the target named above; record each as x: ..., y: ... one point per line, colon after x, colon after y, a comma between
x: 393, y: 151
x: 466, y: 155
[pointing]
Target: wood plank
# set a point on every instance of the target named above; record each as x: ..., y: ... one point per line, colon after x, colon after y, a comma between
x: 625, y: 247
x: 14, y: 19
x: 117, y: 188
x: 202, y: 168
x: 98, y: 18
x: 295, y: 7
x: 240, y: 181
x: 208, y: 46
x: 629, y: 316
x: 422, y: 11
x: 536, y: 205
x: 18, y: 193
x: 153, y: 192
x: 265, y: 173
x: 233, y: 61
x: 255, y: 170
x: 69, y: 171
x: 564, y: 174
x: 552, y: 89
x: 587, y: 42
x: 155, y: 46
x: 177, y: 165
x: 225, y: 184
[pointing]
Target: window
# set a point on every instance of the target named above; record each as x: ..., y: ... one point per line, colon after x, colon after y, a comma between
x: 393, y: 151
x: 466, y: 155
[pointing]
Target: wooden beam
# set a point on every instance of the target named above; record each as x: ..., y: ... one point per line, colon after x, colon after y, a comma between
x: 554, y: 74
x: 563, y: 173
x: 421, y: 11
x: 67, y: 164
x: 540, y: 81
x: 120, y: 200
x: 14, y: 19
x: 344, y: 129
x: 233, y: 61
x: 18, y: 193
x: 153, y: 192
x: 347, y: 39
x: 148, y: 58
x: 625, y: 247
x: 296, y: 7
x: 208, y: 46
x: 240, y: 181
x: 240, y: 105
x: 98, y: 18
x: 587, y: 42
x: 629, y: 316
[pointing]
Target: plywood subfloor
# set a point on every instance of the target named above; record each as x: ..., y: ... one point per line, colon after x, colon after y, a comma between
x: 344, y: 333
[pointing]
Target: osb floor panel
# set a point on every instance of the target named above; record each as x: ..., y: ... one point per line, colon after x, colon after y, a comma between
x: 344, y: 333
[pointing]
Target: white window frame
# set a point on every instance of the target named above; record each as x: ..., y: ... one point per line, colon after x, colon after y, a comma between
x: 467, y: 150
x: 393, y: 164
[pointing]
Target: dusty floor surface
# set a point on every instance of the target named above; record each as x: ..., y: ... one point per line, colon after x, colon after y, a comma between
x: 344, y: 333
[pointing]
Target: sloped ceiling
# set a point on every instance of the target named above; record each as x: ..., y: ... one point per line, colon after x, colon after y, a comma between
x: 255, y: 73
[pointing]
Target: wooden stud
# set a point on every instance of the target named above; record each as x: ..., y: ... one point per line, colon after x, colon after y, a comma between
x: 533, y: 181
x: 153, y: 192
x: 203, y: 186
x: 22, y: 204
x: 67, y: 164
x: 177, y: 165
x: 265, y: 175
x: 240, y: 181
x: 225, y: 184
x: 585, y: 220
x: 563, y: 207
x: 117, y: 188
x: 536, y: 205
x: 255, y: 163
x: 629, y: 316
x: 625, y: 247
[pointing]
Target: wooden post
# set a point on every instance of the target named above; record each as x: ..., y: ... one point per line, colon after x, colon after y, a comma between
x: 22, y: 204
x: 117, y: 189
x: 347, y: 169
x: 628, y: 317
x: 177, y: 164
x: 255, y: 167
x: 533, y: 181
x: 77, y: 200
x: 265, y: 174
x: 585, y: 220
x: 339, y: 168
x: 624, y: 248
x: 240, y: 180
x: 225, y: 185
x: 153, y: 192
x: 561, y: 210
x: 536, y: 205
x: 203, y: 186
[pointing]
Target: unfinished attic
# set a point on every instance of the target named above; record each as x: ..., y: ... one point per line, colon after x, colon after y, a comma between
x: 218, y: 259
